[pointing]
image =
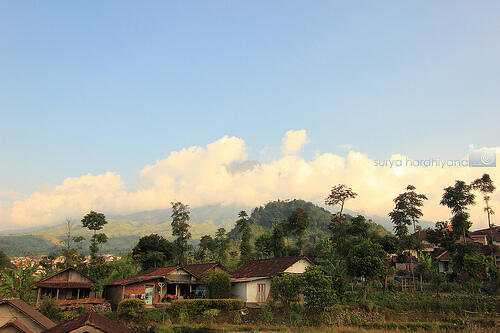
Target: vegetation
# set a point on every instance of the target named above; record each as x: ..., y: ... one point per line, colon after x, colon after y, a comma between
x: 218, y: 284
x: 154, y: 251
x: 180, y: 228
x: 95, y: 221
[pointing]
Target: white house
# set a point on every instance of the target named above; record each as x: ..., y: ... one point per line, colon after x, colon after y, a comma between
x: 252, y: 282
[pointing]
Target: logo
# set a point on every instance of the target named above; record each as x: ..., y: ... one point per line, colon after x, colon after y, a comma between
x: 482, y: 157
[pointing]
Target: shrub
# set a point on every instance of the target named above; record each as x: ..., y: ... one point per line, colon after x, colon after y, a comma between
x: 131, y: 310
x: 211, y: 314
x: 50, y: 309
x: 198, y: 306
x: 218, y: 284
x: 237, y: 318
x: 266, y: 314
x: 286, y: 289
x: 317, y: 290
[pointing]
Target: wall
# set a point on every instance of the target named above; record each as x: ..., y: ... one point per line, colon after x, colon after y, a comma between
x: 8, y: 312
x: 251, y: 288
x: 239, y: 291
x: 299, y: 267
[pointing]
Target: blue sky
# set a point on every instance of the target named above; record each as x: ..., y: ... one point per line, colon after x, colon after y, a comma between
x: 90, y: 87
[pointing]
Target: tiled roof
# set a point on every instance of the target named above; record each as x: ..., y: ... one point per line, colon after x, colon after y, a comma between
x: 441, y: 254
x: 30, y: 312
x: 495, y: 232
x: 198, y: 269
x: 63, y: 284
x: 266, y: 267
x: 146, y: 276
x: 90, y: 319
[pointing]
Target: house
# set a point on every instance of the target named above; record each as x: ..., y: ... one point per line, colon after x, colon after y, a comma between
x: 17, y: 316
x: 69, y: 288
x: 89, y: 322
x: 443, y: 258
x: 252, y: 282
x: 160, y: 285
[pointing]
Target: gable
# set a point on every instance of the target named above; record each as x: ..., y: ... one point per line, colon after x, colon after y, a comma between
x: 9, y: 314
x: 299, y: 266
x: 70, y: 275
x: 180, y: 274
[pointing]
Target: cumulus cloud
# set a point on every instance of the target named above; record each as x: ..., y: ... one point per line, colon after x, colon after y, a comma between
x: 293, y: 141
x: 220, y: 173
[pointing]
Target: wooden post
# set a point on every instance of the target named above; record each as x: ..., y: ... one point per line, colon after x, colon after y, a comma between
x: 78, y: 294
x: 123, y: 292
x: 38, y: 296
x: 57, y: 295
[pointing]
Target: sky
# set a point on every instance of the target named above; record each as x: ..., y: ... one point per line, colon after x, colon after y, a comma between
x: 125, y: 106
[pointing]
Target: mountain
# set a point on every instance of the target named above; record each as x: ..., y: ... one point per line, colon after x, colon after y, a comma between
x: 124, y: 230
x: 263, y: 218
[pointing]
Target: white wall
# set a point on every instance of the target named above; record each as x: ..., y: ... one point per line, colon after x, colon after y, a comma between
x: 299, y: 267
x: 239, y: 291
x: 252, y: 289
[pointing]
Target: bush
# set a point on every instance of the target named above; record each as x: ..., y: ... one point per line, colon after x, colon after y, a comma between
x: 131, y: 310
x: 50, y: 309
x: 286, y: 289
x: 198, y: 306
x: 317, y: 290
x: 211, y: 314
x: 218, y: 284
x: 266, y: 314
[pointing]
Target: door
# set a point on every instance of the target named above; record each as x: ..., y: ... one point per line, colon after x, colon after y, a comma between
x: 148, y: 296
x: 261, y: 292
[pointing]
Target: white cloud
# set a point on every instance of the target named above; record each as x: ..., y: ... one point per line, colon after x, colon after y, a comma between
x: 293, y: 141
x: 206, y: 175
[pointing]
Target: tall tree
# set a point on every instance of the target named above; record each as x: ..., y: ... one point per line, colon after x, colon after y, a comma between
x: 338, y: 196
x: 278, y: 247
x: 244, y: 230
x: 486, y: 187
x: 458, y: 198
x: 297, y: 224
x: 410, y: 205
x: 180, y: 228
x: 221, y: 242
x: 95, y: 221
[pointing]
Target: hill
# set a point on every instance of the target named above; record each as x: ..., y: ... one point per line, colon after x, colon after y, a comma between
x: 263, y: 218
x: 124, y: 230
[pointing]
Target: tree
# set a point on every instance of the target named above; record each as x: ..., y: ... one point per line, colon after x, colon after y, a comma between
x: 297, y: 224
x: 407, y: 209
x: 244, y: 230
x: 95, y: 221
x: 366, y: 260
x: 180, y: 228
x: 486, y: 187
x: 442, y: 235
x: 4, y: 261
x: 153, y: 251
x: 17, y: 283
x: 206, y: 246
x: 264, y: 246
x: 221, y: 243
x: 218, y: 284
x: 457, y: 198
x: 468, y: 259
x: 278, y: 247
x: 338, y: 196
